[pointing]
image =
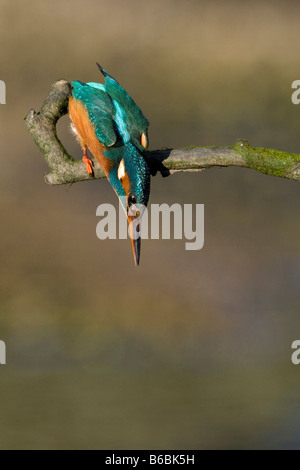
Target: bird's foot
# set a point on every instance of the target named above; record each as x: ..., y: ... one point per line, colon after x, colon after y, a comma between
x: 88, y: 164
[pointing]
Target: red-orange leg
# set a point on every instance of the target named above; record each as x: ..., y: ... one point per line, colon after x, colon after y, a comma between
x: 88, y: 162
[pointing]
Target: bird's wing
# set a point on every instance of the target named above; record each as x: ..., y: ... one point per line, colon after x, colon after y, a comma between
x: 100, y: 109
x: 133, y: 114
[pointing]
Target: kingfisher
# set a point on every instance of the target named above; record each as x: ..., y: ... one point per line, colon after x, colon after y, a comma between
x: 107, y: 121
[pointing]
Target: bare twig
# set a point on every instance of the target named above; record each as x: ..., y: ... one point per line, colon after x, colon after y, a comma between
x: 65, y: 169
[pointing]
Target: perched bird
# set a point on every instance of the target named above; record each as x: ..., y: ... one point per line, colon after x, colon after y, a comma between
x: 108, y: 122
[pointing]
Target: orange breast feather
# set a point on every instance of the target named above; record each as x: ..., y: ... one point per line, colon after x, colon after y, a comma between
x: 86, y: 133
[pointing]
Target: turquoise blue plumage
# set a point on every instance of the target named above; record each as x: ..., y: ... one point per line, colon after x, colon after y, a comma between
x: 113, y: 127
x: 100, y: 109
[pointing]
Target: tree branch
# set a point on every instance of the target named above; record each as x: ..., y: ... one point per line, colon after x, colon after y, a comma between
x: 65, y: 169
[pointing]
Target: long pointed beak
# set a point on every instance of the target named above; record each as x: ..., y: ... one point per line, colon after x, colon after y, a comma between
x: 135, y: 229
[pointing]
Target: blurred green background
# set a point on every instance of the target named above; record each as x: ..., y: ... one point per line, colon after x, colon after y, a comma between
x: 193, y: 349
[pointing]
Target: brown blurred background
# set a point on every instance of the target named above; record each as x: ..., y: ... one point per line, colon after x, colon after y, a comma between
x: 193, y: 349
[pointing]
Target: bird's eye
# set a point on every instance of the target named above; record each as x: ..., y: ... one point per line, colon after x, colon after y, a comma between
x: 131, y: 199
x: 144, y: 140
